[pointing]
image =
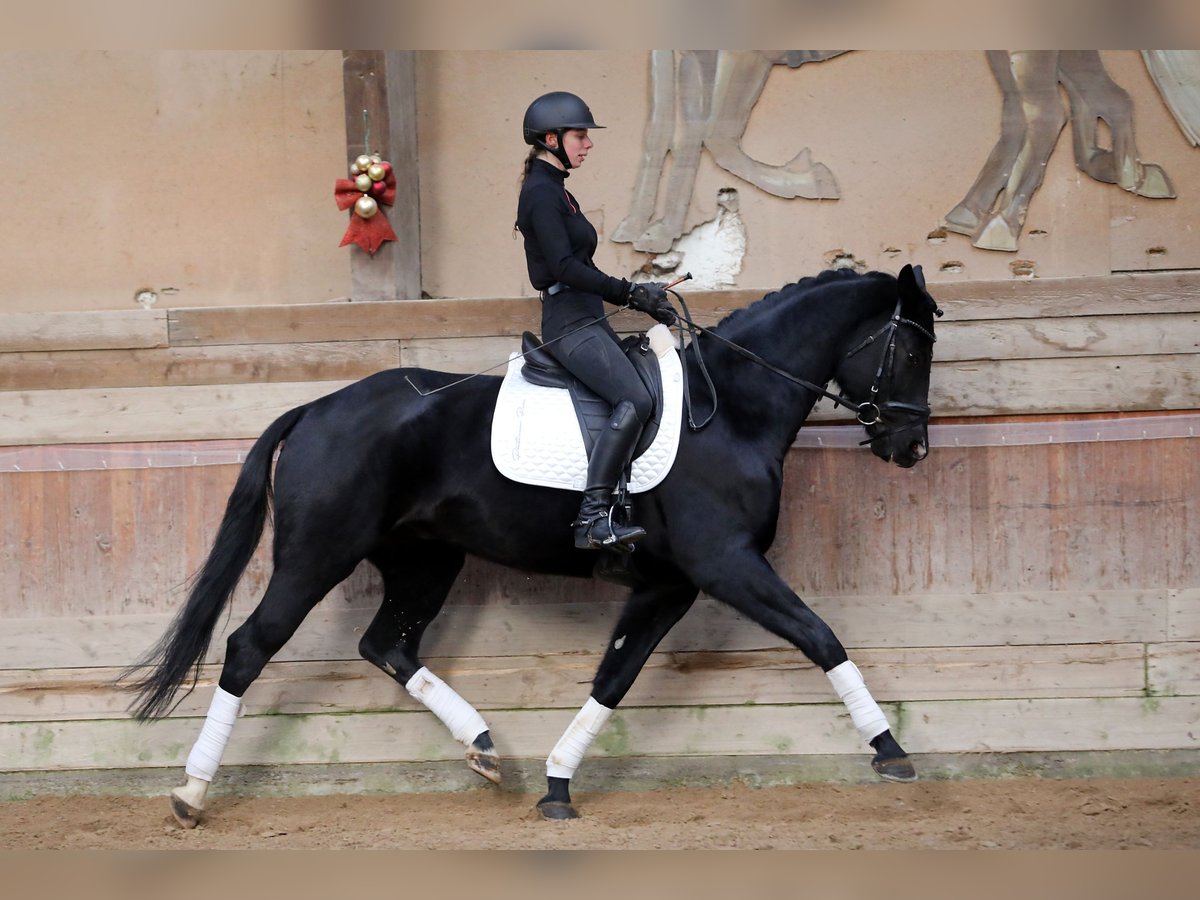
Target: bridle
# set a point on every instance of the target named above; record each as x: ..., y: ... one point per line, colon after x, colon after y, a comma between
x: 920, y: 411
x: 868, y: 412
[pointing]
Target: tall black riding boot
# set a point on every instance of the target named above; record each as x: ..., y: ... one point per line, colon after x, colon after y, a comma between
x: 595, y: 528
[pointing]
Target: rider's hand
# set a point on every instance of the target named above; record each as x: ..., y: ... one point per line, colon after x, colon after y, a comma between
x: 651, y: 298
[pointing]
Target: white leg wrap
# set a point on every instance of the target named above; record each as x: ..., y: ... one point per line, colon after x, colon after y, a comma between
x: 568, y: 752
x: 456, y: 713
x: 865, y: 713
x: 206, y: 753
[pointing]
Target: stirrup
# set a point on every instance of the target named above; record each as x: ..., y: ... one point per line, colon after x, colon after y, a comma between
x: 618, y: 536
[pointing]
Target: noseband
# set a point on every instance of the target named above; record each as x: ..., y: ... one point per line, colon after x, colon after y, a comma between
x: 868, y: 412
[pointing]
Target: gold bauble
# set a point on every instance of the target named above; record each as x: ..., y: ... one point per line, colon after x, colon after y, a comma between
x: 376, y: 171
x: 363, y: 182
x: 354, y: 169
x: 366, y: 207
x: 363, y: 162
x: 376, y: 158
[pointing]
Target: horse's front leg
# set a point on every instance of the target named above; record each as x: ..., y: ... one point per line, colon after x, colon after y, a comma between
x: 743, y: 579
x: 647, y: 617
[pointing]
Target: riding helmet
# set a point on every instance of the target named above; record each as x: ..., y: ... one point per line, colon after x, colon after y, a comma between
x: 556, y: 112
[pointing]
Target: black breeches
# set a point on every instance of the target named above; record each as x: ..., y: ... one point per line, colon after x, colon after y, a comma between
x: 594, y: 357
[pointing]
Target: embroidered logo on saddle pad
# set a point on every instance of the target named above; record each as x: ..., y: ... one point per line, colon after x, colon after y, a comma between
x: 536, y: 436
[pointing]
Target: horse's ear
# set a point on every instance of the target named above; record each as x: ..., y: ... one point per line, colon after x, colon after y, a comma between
x: 911, y: 281
x: 912, y: 278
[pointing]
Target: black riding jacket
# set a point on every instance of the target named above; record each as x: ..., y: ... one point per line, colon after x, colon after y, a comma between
x: 559, y: 240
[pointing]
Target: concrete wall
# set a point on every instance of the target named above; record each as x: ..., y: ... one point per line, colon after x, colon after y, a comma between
x: 207, y: 176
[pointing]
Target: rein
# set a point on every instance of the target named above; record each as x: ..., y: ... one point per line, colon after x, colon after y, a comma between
x: 868, y: 412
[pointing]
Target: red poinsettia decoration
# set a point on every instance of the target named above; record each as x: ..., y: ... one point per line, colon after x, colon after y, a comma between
x: 371, y: 187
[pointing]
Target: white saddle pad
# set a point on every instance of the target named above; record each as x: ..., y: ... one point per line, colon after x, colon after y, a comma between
x: 536, y: 438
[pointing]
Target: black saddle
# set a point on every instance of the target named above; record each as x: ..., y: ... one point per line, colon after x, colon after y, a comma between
x: 592, y: 410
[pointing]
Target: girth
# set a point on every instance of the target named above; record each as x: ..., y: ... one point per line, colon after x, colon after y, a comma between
x: 592, y: 410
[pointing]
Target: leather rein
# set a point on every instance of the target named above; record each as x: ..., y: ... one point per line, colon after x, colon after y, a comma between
x: 868, y: 412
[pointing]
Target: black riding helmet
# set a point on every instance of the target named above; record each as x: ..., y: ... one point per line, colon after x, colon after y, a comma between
x: 556, y: 112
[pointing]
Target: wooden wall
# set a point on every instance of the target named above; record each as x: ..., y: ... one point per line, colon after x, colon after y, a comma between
x: 1006, y: 599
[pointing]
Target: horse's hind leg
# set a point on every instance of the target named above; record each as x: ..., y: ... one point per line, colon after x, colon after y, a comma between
x: 290, y: 596
x: 417, y: 576
x: 650, y: 613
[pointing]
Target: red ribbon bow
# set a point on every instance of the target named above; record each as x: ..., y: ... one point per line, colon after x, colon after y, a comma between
x: 367, y: 233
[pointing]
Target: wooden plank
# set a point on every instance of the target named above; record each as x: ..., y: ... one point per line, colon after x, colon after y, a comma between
x: 964, y: 726
x: 669, y: 679
x: 97, y: 330
x: 1078, y: 336
x: 418, y: 736
x: 172, y: 366
x: 352, y: 321
x: 1173, y: 668
x: 332, y: 631
x: 1007, y: 726
x: 230, y: 411
x: 1027, y: 387
x: 477, y: 354
x: 1125, y: 294
x: 1132, y: 293
x: 1120, y: 294
x: 1183, y: 613
x: 188, y: 412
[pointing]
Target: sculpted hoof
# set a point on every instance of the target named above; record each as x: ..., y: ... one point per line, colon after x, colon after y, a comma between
x: 556, y: 810
x: 898, y: 768
x: 485, y: 764
x: 185, y: 814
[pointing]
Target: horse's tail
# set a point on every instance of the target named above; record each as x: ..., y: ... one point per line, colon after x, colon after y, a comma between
x: 157, y: 677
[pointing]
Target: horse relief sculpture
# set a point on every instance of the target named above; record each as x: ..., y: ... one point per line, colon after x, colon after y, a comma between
x: 993, y: 211
x: 703, y: 99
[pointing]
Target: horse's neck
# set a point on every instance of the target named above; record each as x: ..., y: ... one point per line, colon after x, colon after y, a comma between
x: 804, y: 339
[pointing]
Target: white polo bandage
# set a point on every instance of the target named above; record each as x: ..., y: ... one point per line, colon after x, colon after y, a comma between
x: 205, y: 758
x: 865, y: 713
x: 568, y: 752
x: 457, y: 714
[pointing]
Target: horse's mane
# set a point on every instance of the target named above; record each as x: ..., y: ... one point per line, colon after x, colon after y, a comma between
x: 793, y: 291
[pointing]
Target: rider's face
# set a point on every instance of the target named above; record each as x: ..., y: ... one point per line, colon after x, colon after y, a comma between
x: 576, y: 145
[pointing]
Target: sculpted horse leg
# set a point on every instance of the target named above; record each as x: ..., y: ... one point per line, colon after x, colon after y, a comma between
x: 971, y: 211
x: 660, y: 127
x: 647, y: 617
x: 417, y: 576
x: 740, y: 78
x: 1035, y: 74
x: 741, y: 577
x: 1094, y: 96
x: 694, y: 74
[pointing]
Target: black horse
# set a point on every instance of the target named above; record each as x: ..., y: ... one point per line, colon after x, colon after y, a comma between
x: 404, y: 479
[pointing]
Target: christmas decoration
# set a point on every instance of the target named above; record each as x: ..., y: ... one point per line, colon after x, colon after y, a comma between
x: 370, y: 187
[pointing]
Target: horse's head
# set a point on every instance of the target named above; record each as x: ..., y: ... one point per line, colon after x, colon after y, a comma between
x: 886, y: 372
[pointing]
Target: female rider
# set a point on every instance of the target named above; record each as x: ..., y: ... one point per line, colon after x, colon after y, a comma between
x: 559, y: 244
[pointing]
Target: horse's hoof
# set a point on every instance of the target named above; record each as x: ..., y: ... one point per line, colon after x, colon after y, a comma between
x: 898, y: 768
x: 557, y: 810
x: 185, y: 814
x: 485, y: 764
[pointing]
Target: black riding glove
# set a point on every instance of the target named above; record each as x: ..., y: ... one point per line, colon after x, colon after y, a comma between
x: 651, y: 298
